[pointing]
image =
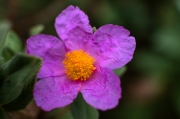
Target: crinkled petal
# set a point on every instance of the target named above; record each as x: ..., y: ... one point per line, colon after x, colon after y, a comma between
x: 102, y: 90
x: 55, y: 92
x: 78, y: 39
x: 51, y: 50
x: 112, y: 46
x: 72, y: 25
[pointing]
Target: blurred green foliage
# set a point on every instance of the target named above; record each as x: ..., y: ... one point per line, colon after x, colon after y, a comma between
x: 4, y: 28
x: 81, y: 110
x: 151, y: 83
x: 17, y: 72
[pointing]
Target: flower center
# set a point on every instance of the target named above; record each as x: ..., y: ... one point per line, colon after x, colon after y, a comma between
x: 79, y: 65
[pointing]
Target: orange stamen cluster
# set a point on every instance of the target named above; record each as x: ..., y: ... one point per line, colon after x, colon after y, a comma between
x: 79, y: 65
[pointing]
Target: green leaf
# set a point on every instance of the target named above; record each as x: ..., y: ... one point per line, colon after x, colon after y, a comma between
x: 1, y: 60
x: 11, y: 46
x: 60, y: 113
x: 67, y: 115
x: 2, y: 113
x: 7, y: 53
x: 4, y: 28
x: 14, y: 75
x: 27, y: 92
x: 13, y: 42
x: 81, y: 110
x: 119, y: 72
x: 36, y: 29
x: 94, y: 29
x: 166, y: 41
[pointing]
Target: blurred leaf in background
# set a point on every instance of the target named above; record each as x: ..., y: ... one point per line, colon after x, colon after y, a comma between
x: 37, y: 29
x: 11, y: 46
x: 81, y: 110
x: 4, y: 28
x: 119, y: 72
x: 150, y: 84
x: 2, y: 113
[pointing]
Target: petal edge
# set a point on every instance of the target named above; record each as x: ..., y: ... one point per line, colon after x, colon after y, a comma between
x: 112, y: 46
x: 70, y: 18
x: 103, y: 90
x: 55, y: 92
x: 51, y: 50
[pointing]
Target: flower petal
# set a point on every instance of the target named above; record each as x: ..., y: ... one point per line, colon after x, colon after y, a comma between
x: 103, y: 90
x: 71, y: 24
x: 77, y: 39
x: 55, y: 92
x: 112, y: 46
x: 51, y: 50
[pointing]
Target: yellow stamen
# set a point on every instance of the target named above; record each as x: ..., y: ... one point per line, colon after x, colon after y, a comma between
x: 79, y: 65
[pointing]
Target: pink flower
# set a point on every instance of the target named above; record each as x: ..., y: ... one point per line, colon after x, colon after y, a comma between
x: 81, y: 62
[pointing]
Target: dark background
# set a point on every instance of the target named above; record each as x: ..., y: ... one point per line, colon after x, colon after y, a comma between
x: 151, y: 84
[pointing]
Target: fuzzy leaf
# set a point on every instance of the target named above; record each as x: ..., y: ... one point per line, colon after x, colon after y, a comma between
x: 15, y: 74
x: 27, y: 92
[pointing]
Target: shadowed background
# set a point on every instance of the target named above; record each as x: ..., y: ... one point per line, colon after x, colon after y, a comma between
x: 151, y: 83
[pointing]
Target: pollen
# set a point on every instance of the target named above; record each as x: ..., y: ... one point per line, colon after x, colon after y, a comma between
x: 79, y: 65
